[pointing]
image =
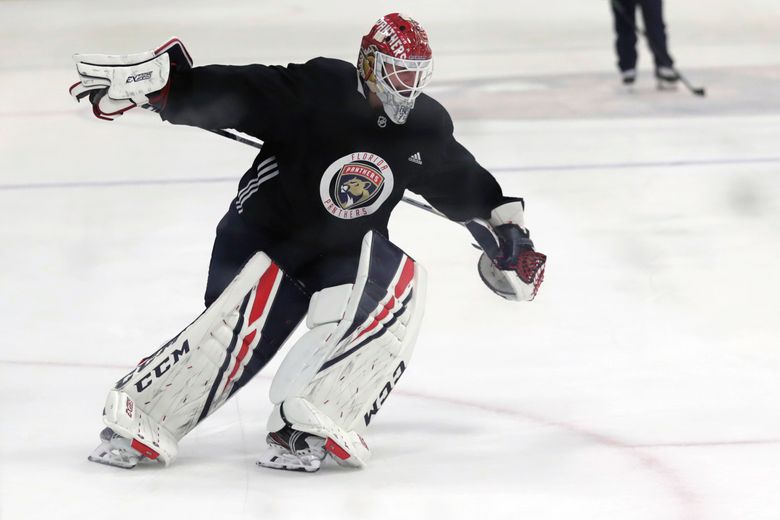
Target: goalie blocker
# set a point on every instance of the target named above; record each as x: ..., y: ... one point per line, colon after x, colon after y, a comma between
x: 331, y: 384
x: 115, y: 84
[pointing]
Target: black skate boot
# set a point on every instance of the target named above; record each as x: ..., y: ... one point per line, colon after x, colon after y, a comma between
x: 667, y: 78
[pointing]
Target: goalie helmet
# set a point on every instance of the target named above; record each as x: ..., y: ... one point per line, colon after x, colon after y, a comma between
x: 396, y: 63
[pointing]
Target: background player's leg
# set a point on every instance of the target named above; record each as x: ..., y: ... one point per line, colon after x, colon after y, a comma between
x: 623, y: 12
x: 655, y: 29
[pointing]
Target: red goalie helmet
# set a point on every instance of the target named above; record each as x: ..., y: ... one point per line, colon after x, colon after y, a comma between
x: 396, y: 63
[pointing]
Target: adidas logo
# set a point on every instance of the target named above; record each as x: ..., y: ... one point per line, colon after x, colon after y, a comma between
x: 416, y: 158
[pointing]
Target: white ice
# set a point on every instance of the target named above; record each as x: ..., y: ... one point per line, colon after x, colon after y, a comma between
x: 643, y: 383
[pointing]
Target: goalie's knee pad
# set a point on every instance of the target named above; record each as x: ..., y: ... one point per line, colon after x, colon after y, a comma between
x: 337, y: 376
x: 191, y: 376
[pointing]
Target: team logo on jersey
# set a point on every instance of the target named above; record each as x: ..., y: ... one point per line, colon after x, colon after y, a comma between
x: 356, y: 185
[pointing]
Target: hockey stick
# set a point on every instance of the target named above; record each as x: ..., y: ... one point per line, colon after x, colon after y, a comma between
x: 696, y: 91
x: 236, y: 137
x: 425, y: 207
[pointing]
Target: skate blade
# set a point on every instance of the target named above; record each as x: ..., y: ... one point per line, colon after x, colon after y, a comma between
x: 300, y: 469
x: 108, y: 456
x: 116, y: 463
x: 288, y: 462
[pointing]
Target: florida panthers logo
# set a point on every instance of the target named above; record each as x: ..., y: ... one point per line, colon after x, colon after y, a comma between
x: 356, y: 185
x: 366, y: 60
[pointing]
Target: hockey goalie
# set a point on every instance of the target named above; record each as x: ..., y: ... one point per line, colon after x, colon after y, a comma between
x: 305, y: 239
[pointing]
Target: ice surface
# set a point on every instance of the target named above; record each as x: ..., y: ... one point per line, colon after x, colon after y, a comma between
x: 643, y: 383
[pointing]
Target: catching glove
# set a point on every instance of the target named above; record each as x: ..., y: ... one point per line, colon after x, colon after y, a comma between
x: 509, y: 266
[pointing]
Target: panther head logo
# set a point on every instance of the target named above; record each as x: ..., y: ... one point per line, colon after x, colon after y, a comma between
x: 355, y: 188
x: 358, y: 183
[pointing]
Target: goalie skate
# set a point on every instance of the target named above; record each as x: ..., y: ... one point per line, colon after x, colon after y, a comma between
x: 115, y: 450
x: 293, y: 450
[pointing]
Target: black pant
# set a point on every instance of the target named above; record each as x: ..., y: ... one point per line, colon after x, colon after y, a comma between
x: 236, y: 242
x: 624, y: 12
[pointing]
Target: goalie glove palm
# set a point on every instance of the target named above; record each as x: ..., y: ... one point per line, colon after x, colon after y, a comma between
x: 509, y: 266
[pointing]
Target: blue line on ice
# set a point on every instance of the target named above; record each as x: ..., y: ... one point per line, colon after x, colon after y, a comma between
x: 499, y: 169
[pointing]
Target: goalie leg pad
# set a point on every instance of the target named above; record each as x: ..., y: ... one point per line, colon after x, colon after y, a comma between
x: 190, y: 377
x: 337, y: 376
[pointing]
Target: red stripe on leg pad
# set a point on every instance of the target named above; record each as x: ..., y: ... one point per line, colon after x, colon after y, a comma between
x: 336, y: 450
x: 379, y: 317
x: 406, y: 277
x: 241, y: 355
x: 407, y: 273
x: 145, y: 450
x: 264, y: 287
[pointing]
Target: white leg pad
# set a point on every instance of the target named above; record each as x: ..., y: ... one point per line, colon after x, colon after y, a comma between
x: 347, y: 446
x: 326, y: 310
x: 301, y: 363
x: 147, y: 434
x: 337, y: 376
x: 184, y: 381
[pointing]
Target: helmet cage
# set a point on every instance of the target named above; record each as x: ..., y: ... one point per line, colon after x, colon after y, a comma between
x: 398, y: 82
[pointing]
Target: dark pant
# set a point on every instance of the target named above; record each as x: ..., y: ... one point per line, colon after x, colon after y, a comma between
x: 236, y: 242
x: 624, y: 12
x: 233, y: 246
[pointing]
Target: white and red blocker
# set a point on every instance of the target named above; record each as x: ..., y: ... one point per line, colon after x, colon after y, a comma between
x: 114, y: 84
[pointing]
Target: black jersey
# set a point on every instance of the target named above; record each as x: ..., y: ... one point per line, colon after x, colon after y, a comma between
x: 331, y: 167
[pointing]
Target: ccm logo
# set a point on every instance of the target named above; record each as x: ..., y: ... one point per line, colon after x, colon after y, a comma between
x: 160, y: 367
x: 129, y: 408
x: 384, y: 393
x: 139, y: 77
